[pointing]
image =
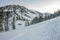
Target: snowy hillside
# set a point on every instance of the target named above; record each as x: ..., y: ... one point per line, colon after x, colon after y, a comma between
x: 22, y: 13
x: 47, y: 30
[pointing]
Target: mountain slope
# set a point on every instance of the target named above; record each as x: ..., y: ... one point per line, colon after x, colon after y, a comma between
x: 47, y: 30
x: 22, y: 13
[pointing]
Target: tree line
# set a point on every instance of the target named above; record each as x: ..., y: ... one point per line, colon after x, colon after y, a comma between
x: 46, y: 17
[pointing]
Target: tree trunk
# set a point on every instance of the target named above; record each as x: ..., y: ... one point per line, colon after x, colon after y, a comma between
x: 14, y: 22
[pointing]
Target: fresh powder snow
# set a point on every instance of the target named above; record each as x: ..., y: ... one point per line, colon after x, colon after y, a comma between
x: 47, y: 30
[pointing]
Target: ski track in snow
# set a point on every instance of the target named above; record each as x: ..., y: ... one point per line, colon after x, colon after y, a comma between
x: 47, y: 30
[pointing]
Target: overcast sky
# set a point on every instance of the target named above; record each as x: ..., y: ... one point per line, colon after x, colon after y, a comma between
x: 39, y: 5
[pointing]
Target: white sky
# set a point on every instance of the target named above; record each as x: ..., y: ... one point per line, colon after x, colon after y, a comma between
x: 39, y: 5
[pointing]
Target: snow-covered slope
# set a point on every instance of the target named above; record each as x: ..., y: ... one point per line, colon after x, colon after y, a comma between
x: 47, y: 30
x: 22, y: 12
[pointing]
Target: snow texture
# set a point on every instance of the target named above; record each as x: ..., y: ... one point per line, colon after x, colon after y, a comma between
x: 47, y: 30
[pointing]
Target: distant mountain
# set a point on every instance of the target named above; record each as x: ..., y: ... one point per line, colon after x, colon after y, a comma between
x: 24, y: 14
x: 21, y: 10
